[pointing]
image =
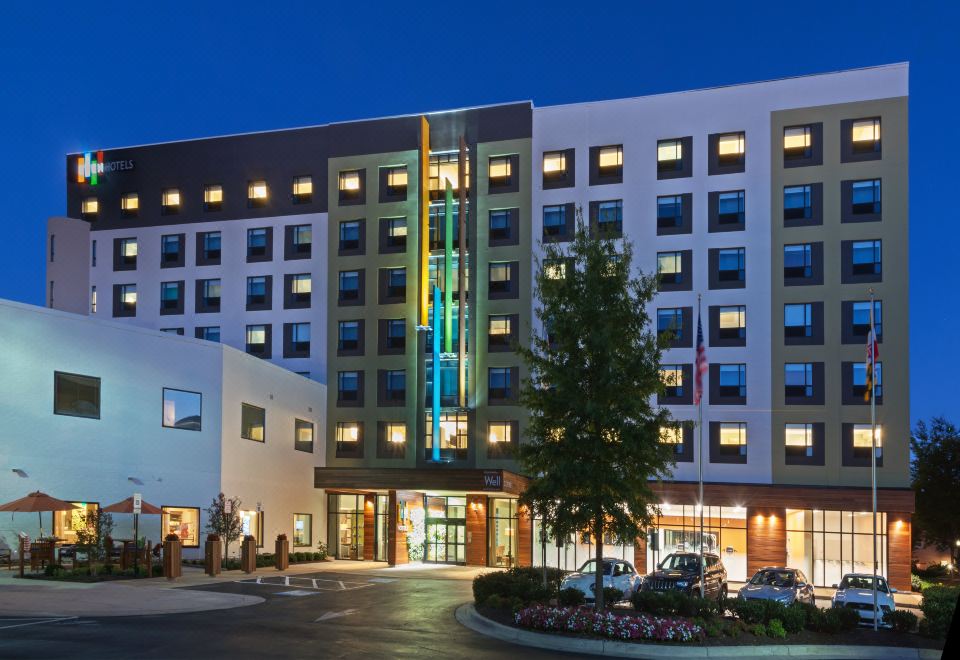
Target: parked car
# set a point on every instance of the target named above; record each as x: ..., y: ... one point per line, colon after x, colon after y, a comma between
x: 617, y: 573
x: 681, y: 571
x: 855, y: 592
x: 784, y: 585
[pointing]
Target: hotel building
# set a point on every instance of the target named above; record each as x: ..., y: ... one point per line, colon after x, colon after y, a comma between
x: 392, y: 259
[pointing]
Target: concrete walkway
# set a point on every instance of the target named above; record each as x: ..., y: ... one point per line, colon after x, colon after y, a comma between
x: 468, y: 617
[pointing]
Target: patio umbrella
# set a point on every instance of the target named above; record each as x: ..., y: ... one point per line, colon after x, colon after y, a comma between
x: 126, y: 506
x: 39, y: 502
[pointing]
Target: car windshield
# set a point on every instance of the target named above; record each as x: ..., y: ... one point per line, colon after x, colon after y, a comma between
x: 862, y: 582
x: 590, y: 567
x: 680, y: 563
x: 774, y: 578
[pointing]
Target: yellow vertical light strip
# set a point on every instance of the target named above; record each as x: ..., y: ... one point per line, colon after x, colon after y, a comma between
x: 424, y: 219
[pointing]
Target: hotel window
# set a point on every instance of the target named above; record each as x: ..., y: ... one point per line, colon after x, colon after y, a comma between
x: 798, y: 440
x: 798, y: 202
x: 257, y: 244
x: 299, y: 340
x: 607, y: 218
x: 76, y: 395
x: 394, y: 387
x: 253, y: 420
x: 501, y: 439
x: 351, y: 235
x: 554, y: 269
x: 860, y: 319
x: 733, y: 439
x: 672, y: 435
x: 797, y: 320
x: 93, y: 299
x: 669, y: 212
x: 300, y: 290
x: 671, y: 375
x: 127, y: 254
x: 349, y: 336
x: 258, y: 341
x: 394, y: 285
x: 393, y: 183
x: 173, y: 331
x: 127, y: 299
x: 349, y: 388
x: 349, y: 287
x: 859, y: 382
x: 443, y: 168
x: 865, y: 257
x: 862, y: 444
x: 396, y: 335
x: 257, y: 292
x: 393, y: 235
x: 209, y: 296
x: 350, y: 186
x: 865, y: 136
x: 453, y: 439
x: 170, y: 201
x: 500, y: 332
x: 670, y: 267
x: 669, y: 155
x: 500, y: 385
x: 210, y: 242
x: 298, y: 241
x: 210, y: 333
x: 797, y: 143
x: 171, y: 250
x: 730, y: 210
x: 797, y: 261
x: 500, y: 229
x: 302, y: 192
x: 256, y: 194
x: 93, y: 254
x: 558, y: 169
x: 129, y: 205
x: 184, y: 522
x: 212, y: 197
x: 501, y: 174
x: 670, y: 321
x: 251, y: 524
x: 171, y: 297
x: 349, y: 436
x: 798, y: 380
x: 731, y: 265
x: 501, y: 278
x: 303, y: 435
x: 302, y: 529
x: 732, y: 322
x: 606, y: 164
x: 89, y: 208
x: 181, y: 409
x: 732, y: 381
x: 727, y: 153
x: 391, y: 439
x: 557, y: 222
x: 864, y: 198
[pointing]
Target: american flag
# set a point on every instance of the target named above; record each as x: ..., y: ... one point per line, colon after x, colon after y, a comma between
x: 701, y: 366
x: 873, y: 352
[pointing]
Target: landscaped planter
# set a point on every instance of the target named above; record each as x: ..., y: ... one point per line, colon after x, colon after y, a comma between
x: 587, y: 621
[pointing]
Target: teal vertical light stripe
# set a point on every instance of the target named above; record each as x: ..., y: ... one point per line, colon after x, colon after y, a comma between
x: 448, y: 270
x: 435, y: 407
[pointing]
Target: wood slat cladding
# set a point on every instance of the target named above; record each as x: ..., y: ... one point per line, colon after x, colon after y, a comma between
x: 640, y: 555
x: 369, y: 527
x: 524, y: 537
x: 899, y: 549
x: 793, y: 497
x: 392, y: 535
x: 766, y: 538
x: 397, y: 553
x: 456, y: 480
x: 476, y: 530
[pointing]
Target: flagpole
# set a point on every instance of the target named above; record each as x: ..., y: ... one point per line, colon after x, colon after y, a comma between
x: 700, y: 461
x: 873, y: 450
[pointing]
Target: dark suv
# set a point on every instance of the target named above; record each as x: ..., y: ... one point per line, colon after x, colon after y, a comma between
x: 680, y: 571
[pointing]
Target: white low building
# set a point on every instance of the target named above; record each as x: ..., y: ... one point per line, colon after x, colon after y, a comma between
x: 95, y: 411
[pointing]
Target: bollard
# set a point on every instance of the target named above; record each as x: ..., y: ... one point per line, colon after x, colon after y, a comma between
x: 248, y: 554
x: 172, y: 568
x: 212, y: 555
x: 282, y: 552
x: 108, y: 554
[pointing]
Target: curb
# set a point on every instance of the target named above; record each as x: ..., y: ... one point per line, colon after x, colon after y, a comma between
x: 468, y: 617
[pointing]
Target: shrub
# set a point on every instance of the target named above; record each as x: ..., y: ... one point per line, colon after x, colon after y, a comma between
x: 776, y: 630
x: 535, y: 574
x: 795, y: 617
x: 759, y: 630
x: 937, y: 606
x: 157, y: 570
x: 676, y: 603
x: 901, y: 620
x: 834, y: 620
x: 713, y: 629
x: 53, y: 570
x: 749, y: 611
x: 915, y: 582
x: 932, y: 572
x: 494, y: 601
x: 509, y: 585
x: 321, y: 553
x: 607, y: 624
x: 612, y: 595
x: 570, y: 597
x: 298, y: 556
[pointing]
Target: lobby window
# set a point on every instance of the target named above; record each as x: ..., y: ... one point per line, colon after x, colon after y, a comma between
x: 350, y: 237
x: 733, y: 439
x: 127, y: 299
x: 76, y: 395
x: 556, y: 224
x: 862, y: 444
x: 731, y: 148
x: 866, y: 259
x: 860, y: 318
x: 731, y: 264
x: 670, y: 267
x: 500, y: 332
x: 500, y: 384
x: 302, y: 190
x: 257, y: 340
x: 500, y: 225
x: 170, y: 201
x: 671, y: 375
x: 396, y: 331
x: 865, y: 136
x: 394, y: 234
x: 501, y: 439
x: 733, y: 380
x: 252, y: 422
x: 302, y: 530
x: 210, y: 295
x: 251, y: 524
x: 171, y: 250
x: 797, y: 202
x: 182, y: 409
x: 395, y: 386
x: 303, y: 435
x: 501, y: 172
x: 349, y: 436
x: 669, y: 155
x: 865, y: 197
x: 348, y: 336
x: 732, y: 322
x: 182, y: 521
x: 89, y: 208
x: 798, y: 440
x: 210, y: 333
x: 210, y: 242
x: 608, y: 217
x: 798, y: 380
x: 301, y: 288
x: 127, y: 253
x: 670, y: 321
x: 797, y: 143
x: 730, y: 207
x: 797, y: 320
x: 443, y: 168
x: 257, y: 240
x: 348, y: 387
x: 171, y: 299
x: 212, y: 197
x: 350, y: 186
x: 395, y: 182
x: 299, y: 345
x: 669, y: 211
x: 606, y: 164
x: 300, y: 241
x: 797, y: 261
x: 256, y: 291
x: 859, y: 381
x: 502, y: 523
x: 256, y: 194
x: 129, y: 205
x: 349, y: 286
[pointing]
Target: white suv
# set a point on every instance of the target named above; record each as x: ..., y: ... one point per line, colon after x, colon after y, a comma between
x: 855, y: 592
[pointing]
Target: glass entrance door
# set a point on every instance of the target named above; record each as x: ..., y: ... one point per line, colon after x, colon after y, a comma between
x: 446, y: 529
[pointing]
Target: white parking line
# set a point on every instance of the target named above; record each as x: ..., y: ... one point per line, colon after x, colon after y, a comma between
x: 37, y: 622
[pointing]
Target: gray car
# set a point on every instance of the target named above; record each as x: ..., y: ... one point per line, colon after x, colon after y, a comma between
x: 784, y: 585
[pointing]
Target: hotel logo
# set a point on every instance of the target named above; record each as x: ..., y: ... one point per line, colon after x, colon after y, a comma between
x: 91, y: 166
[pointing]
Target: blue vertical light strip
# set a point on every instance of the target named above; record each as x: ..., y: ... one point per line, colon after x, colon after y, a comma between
x: 435, y: 405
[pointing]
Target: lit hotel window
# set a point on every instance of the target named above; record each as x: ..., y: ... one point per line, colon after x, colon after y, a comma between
x: 302, y: 189
x: 171, y: 200
x: 611, y: 158
x: 499, y: 330
x: 303, y: 436
x: 730, y: 148
x: 396, y: 433
x: 89, y: 207
x: 213, y: 198
x: 554, y: 164
x: 500, y: 170
x: 554, y: 269
x: 670, y: 267
x: 350, y: 185
x: 256, y: 194
x: 128, y: 251
x: 861, y: 441
x: 128, y: 297
x: 733, y: 322
x: 443, y: 168
x: 252, y: 422
x: 669, y: 155
x: 866, y: 135
x: 93, y: 300
x: 347, y: 432
x: 671, y: 375
x: 733, y: 438
x: 671, y: 435
x: 500, y: 432
x: 129, y: 205
x: 798, y: 439
x: 397, y: 181
x: 797, y: 142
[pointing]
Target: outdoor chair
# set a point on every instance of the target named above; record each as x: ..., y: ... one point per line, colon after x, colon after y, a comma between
x: 6, y: 555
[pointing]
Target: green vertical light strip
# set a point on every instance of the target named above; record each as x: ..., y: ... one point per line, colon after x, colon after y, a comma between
x: 448, y: 270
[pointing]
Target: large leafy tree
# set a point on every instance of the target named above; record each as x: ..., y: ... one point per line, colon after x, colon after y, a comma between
x: 593, y: 438
x: 935, y: 471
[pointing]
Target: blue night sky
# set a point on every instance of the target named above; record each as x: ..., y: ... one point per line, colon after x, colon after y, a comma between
x: 104, y: 74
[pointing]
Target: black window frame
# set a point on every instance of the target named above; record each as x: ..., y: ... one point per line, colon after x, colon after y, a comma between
x: 95, y: 381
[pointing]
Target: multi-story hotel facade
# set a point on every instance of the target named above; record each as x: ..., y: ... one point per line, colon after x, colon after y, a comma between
x: 340, y: 252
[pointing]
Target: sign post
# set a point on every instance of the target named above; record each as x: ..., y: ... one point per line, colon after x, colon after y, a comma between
x: 137, y: 506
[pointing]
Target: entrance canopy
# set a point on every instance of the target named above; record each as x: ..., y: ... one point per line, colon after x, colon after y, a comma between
x: 489, y: 482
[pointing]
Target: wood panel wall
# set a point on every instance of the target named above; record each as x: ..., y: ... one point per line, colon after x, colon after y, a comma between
x: 476, y: 530
x: 899, y: 550
x: 369, y: 526
x: 640, y: 554
x: 524, y: 537
x: 392, y: 535
x: 766, y: 538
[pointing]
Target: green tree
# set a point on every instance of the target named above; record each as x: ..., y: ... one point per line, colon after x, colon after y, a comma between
x: 225, y: 521
x: 95, y: 526
x: 935, y: 472
x: 593, y: 441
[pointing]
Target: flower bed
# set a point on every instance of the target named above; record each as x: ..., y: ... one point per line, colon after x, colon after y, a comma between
x: 586, y: 621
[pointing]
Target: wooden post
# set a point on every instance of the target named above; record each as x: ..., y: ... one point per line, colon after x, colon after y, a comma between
x: 172, y: 563
x: 22, y: 552
x: 212, y: 555
x: 248, y: 554
x: 281, y: 553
